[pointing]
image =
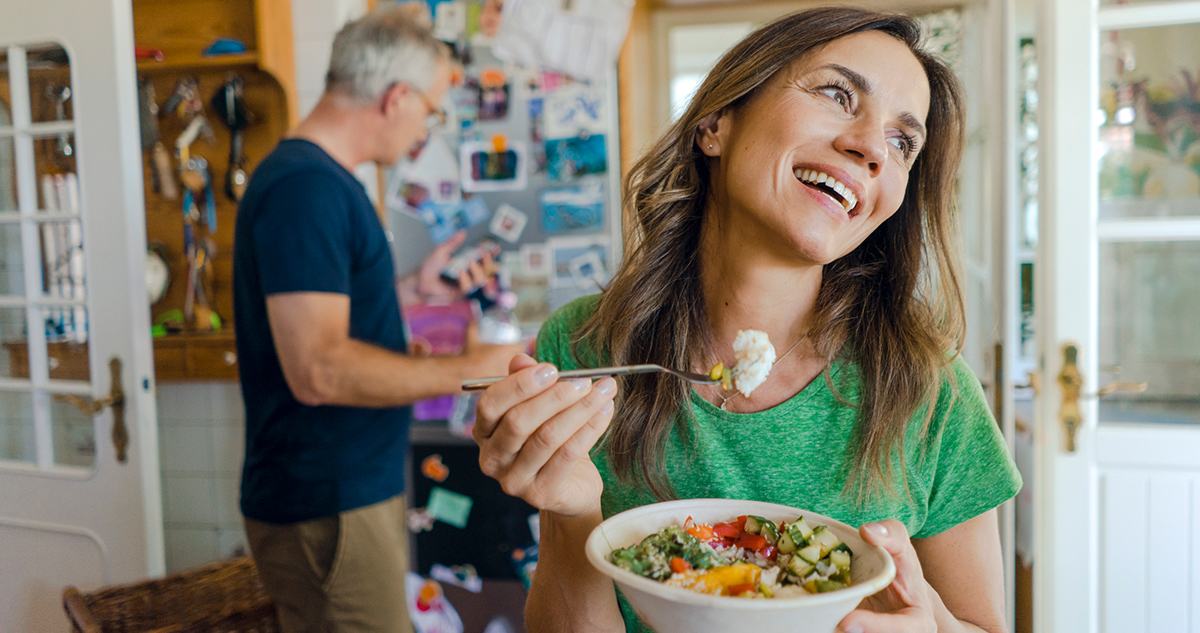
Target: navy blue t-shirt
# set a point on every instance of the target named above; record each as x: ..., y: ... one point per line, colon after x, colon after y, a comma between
x: 305, y: 224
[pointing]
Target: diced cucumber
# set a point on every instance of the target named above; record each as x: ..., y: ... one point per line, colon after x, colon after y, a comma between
x: 766, y: 527
x: 805, y: 531
x: 825, y: 538
x: 753, y: 524
x: 786, y: 544
x: 798, y: 567
x: 822, y: 586
x: 797, y: 535
x: 840, y: 559
x: 842, y: 547
x: 765, y: 590
x: 769, y: 531
x: 842, y: 576
x: 810, y: 554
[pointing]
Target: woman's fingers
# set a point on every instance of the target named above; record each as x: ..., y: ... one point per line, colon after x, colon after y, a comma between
x: 892, y: 536
x: 521, y: 385
x: 562, y: 435
x: 522, y: 421
x: 910, y: 620
x: 578, y: 447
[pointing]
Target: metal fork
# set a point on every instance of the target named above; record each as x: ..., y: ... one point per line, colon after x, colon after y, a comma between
x: 599, y: 372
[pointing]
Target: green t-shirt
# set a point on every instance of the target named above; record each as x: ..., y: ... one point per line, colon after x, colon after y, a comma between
x: 799, y: 454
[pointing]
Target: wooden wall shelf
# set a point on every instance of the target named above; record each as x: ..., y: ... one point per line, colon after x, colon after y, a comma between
x: 182, y: 29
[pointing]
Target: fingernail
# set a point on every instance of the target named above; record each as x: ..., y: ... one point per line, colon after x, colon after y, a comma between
x: 581, y: 385
x: 853, y: 628
x: 607, y: 409
x: 606, y: 386
x: 545, y: 374
x: 878, y: 531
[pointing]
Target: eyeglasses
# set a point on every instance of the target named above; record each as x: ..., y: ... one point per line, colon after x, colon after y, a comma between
x: 436, y: 117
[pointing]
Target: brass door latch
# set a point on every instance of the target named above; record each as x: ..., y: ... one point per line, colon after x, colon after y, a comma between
x: 1071, y: 382
x: 116, y: 400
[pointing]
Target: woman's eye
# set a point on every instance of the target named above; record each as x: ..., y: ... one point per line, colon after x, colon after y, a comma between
x: 837, y: 95
x: 901, y: 143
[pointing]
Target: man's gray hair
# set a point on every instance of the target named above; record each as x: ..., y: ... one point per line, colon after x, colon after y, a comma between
x: 387, y: 47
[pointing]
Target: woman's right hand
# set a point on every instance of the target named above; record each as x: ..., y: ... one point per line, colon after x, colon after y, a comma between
x: 535, y: 435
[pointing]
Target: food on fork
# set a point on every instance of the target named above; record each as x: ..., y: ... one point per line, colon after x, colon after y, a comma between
x: 754, y: 355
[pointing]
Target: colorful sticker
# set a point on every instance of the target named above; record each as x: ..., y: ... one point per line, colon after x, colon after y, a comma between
x: 449, y: 507
x: 464, y: 576
x: 433, y: 468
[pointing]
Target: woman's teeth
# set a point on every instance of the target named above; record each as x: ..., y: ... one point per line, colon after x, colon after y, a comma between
x: 830, y: 186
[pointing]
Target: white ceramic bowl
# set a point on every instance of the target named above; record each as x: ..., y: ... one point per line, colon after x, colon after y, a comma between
x: 674, y: 610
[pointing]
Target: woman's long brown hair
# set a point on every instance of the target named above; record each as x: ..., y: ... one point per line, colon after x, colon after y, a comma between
x: 893, y: 306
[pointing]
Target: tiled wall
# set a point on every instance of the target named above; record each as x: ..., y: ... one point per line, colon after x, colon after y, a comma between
x: 201, y: 444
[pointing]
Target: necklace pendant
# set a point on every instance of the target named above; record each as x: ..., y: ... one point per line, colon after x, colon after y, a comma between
x: 724, y: 406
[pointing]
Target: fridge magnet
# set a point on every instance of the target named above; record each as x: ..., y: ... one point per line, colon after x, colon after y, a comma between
x: 419, y: 520
x: 493, y: 95
x: 536, y: 118
x: 449, y: 507
x: 535, y: 260
x: 450, y: 20
x: 499, y: 624
x: 444, y: 220
x: 466, y: 101
x: 575, y: 111
x: 525, y: 562
x: 462, y: 418
x: 579, y: 262
x: 508, y: 223
x: 432, y: 176
x: 572, y: 209
x: 433, y: 468
x: 533, y: 299
x: 535, y: 526
x: 588, y: 268
x: 465, y: 576
x: 571, y: 157
x: 552, y: 80
x: 486, y: 168
x: 428, y: 608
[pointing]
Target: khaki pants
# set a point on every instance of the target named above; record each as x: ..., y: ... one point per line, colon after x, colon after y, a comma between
x: 337, y: 574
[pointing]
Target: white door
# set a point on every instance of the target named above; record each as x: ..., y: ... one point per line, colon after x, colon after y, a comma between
x: 75, y: 507
x: 1117, y: 514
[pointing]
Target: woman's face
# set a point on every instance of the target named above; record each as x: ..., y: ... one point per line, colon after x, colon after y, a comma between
x: 820, y: 156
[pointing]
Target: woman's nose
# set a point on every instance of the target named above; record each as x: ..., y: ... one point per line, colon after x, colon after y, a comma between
x: 867, y: 143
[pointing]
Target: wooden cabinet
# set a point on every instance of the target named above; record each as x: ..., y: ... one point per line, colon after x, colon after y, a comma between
x: 182, y: 29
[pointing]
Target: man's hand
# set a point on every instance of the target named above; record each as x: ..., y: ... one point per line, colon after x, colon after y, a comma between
x: 429, y: 282
x: 489, y: 360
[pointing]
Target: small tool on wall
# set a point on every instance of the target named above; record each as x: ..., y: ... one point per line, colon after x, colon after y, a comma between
x: 230, y: 106
x: 162, y: 172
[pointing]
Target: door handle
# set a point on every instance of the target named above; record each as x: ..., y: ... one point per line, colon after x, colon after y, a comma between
x: 114, y: 399
x: 1071, y: 382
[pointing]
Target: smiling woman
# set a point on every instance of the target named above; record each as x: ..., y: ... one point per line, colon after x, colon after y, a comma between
x: 807, y: 193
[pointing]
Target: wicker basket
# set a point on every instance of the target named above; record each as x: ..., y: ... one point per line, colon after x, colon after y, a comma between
x: 224, y: 597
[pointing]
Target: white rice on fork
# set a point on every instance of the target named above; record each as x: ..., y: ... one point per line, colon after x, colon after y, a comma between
x: 755, y: 356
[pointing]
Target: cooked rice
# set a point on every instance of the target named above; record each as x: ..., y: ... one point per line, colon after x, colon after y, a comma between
x: 755, y: 356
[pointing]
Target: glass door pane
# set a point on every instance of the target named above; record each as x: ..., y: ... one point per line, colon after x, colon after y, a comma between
x: 1149, y: 223
x: 44, y: 358
x: 1150, y: 114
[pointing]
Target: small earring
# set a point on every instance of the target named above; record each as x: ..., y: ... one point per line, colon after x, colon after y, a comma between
x: 710, y: 146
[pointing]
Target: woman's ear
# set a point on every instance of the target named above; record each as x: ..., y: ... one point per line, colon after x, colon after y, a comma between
x: 709, y: 133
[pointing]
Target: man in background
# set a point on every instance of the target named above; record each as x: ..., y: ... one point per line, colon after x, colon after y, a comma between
x: 324, y: 374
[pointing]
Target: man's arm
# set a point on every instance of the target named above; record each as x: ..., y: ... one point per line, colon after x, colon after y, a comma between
x: 324, y: 366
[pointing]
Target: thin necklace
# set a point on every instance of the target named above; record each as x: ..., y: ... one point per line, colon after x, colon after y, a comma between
x: 725, y: 399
